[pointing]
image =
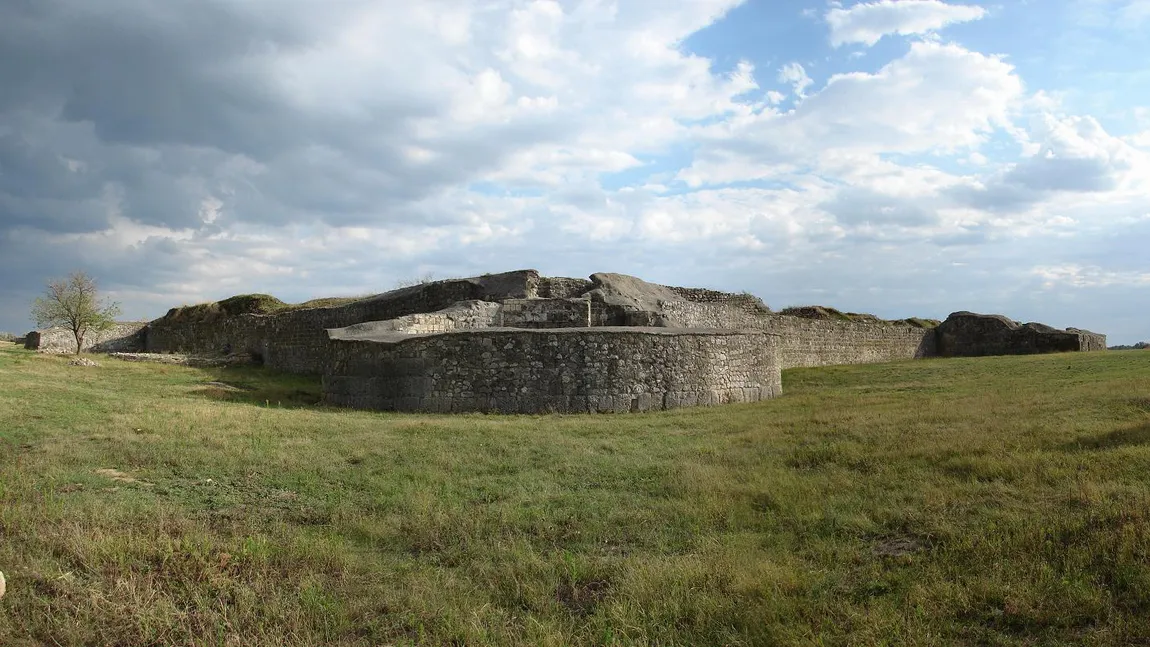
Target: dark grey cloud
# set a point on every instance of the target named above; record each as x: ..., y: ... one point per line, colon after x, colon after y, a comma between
x: 144, y: 72
x: 1050, y: 173
x: 1037, y: 178
x: 151, y: 107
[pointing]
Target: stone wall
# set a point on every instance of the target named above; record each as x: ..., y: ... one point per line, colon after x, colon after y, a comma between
x: 967, y: 334
x: 465, y: 315
x: 562, y: 370
x: 545, y: 313
x: 1089, y: 341
x: 558, y: 287
x: 811, y: 342
x: 296, y: 341
x: 126, y: 337
x: 742, y: 301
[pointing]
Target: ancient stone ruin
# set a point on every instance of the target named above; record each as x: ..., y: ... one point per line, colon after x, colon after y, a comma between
x: 519, y: 342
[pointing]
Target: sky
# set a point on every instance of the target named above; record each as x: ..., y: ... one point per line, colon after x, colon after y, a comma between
x: 898, y: 157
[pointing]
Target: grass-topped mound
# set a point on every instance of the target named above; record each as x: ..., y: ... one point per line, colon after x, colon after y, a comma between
x: 241, y: 304
x: 828, y: 313
x: 988, y: 501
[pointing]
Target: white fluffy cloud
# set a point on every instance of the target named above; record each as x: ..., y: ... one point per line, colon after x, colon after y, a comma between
x: 1135, y: 12
x: 936, y: 98
x: 323, y: 148
x: 1089, y: 277
x: 796, y: 76
x: 868, y: 22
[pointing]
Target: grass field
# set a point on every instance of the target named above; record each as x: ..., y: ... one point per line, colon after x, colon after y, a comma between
x: 995, y: 501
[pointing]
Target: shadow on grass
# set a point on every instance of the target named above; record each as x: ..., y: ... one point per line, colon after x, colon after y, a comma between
x: 260, y: 387
x: 1129, y: 437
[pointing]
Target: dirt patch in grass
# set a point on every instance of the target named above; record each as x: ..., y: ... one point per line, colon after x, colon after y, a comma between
x: 897, y: 546
x: 116, y: 475
x: 581, y: 598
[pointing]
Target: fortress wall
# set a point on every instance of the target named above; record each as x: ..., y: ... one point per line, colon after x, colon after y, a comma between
x: 967, y: 334
x: 819, y: 342
x: 812, y: 342
x: 563, y: 370
x: 123, y: 337
x: 243, y: 333
x: 717, y: 314
x: 440, y: 322
x: 466, y: 315
x: 561, y: 287
x: 1089, y: 341
x: 296, y: 341
x: 748, y: 303
x: 545, y: 313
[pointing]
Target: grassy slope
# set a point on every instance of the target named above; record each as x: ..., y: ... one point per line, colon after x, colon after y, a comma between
x: 992, y: 501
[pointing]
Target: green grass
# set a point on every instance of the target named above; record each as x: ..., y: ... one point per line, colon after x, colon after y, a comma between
x: 992, y: 501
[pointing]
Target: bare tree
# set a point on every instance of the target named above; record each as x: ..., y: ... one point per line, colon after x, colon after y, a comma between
x: 74, y: 303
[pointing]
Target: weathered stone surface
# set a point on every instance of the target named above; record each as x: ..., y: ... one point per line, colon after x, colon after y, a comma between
x: 1089, y: 341
x: 427, y: 347
x: 629, y: 301
x: 296, y: 341
x: 124, y: 336
x: 557, y: 287
x: 183, y: 360
x: 563, y: 370
x: 464, y: 315
x: 968, y: 334
x: 545, y: 313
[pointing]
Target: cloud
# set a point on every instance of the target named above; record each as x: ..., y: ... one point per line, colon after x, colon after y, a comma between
x: 864, y: 206
x: 868, y: 22
x: 1071, y: 155
x: 192, y: 150
x: 795, y: 75
x: 1140, y: 140
x: 1089, y: 277
x: 1135, y: 12
x: 935, y: 98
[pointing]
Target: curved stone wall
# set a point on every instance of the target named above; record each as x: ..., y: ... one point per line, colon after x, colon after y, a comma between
x: 575, y: 370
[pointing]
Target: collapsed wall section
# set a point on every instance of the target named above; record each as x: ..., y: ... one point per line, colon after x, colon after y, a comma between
x: 296, y: 341
x: 570, y: 370
x: 1089, y: 341
x: 122, y: 337
x: 968, y: 334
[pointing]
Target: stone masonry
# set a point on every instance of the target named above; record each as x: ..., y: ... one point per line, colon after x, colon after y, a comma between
x: 521, y: 342
x: 505, y: 370
x: 122, y: 337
